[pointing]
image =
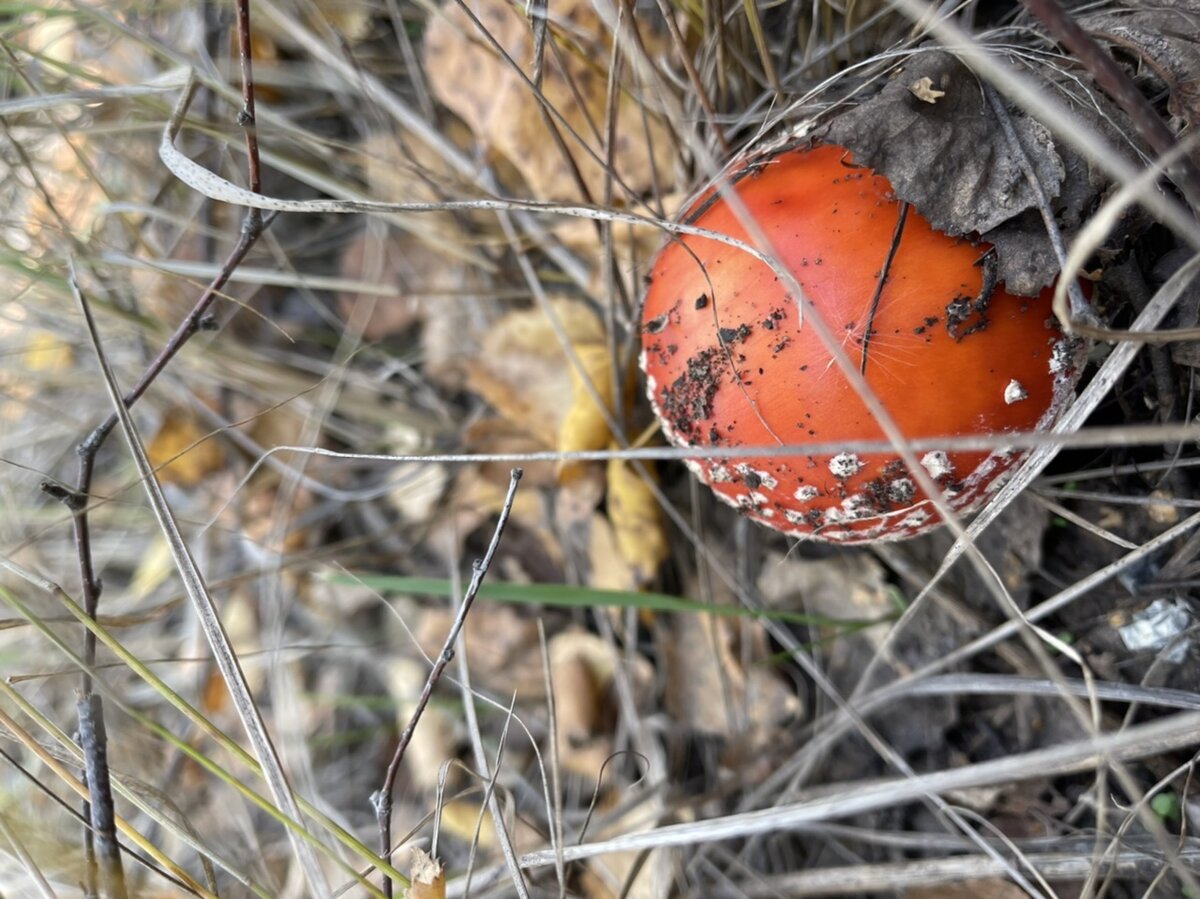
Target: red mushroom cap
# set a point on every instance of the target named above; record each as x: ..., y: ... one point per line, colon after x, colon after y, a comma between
x: 729, y: 362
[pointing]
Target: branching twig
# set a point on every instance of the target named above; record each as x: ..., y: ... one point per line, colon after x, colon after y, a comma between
x: 210, y: 622
x: 382, y: 799
x: 91, y: 726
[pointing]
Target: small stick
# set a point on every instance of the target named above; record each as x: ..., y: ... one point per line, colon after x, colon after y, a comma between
x: 100, y: 841
x: 93, y: 740
x: 382, y: 799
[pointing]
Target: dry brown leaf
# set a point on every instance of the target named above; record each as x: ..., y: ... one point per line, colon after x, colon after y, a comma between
x: 582, y: 747
x: 419, y: 487
x: 1162, y: 37
x: 582, y: 670
x: 264, y: 521
x: 609, y: 569
x: 428, y: 877
x: 578, y: 495
x: 717, y: 687
x: 349, y: 19
x: 180, y: 452
x: 637, y: 520
x: 476, y: 499
x: 844, y: 586
x: 280, y: 425
x: 500, y: 436
x: 467, y: 75
x: 528, y: 378
x: 521, y: 372
x: 632, y: 247
x: 502, y: 648
x: 709, y: 687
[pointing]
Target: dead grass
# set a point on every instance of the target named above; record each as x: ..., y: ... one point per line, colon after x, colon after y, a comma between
x: 472, y: 195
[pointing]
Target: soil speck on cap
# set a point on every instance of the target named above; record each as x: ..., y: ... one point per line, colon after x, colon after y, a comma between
x: 657, y: 324
x: 732, y: 335
x: 688, y: 401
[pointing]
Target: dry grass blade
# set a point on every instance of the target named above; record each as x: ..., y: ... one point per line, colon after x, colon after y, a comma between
x: 214, y: 187
x: 1095, y: 393
x: 70, y: 751
x: 960, y: 874
x: 210, y: 620
x: 67, y: 778
x: 1081, y: 755
x: 477, y: 194
x: 27, y: 861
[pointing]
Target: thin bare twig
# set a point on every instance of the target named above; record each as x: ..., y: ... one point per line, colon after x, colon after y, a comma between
x: 210, y: 622
x: 382, y: 800
x: 100, y: 842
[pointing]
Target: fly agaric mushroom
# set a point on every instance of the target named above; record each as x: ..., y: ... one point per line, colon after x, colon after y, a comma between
x: 729, y: 361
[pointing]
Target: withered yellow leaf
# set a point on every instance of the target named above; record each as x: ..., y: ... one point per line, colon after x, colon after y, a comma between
x: 467, y: 821
x: 181, y: 454
x: 609, y: 569
x: 585, y: 426
x: 636, y: 519
x: 154, y: 567
x: 46, y: 353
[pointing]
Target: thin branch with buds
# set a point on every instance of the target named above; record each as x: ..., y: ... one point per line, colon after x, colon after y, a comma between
x: 100, y: 840
x: 382, y: 799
